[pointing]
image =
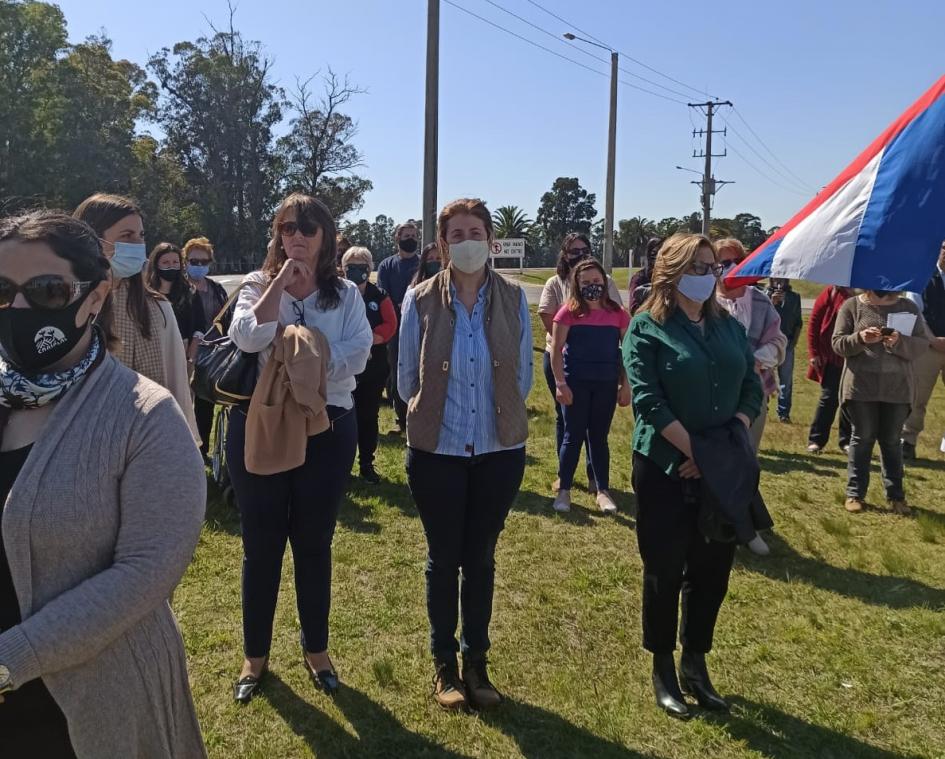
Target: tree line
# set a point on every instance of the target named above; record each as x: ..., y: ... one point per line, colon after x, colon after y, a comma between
x: 73, y: 121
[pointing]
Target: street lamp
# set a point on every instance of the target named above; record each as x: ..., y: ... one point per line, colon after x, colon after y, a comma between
x: 611, y: 153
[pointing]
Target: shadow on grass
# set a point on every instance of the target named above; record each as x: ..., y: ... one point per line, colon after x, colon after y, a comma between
x: 222, y: 516
x: 540, y: 733
x: 377, y: 731
x: 776, y: 734
x: 788, y: 462
x: 787, y: 565
x: 539, y: 504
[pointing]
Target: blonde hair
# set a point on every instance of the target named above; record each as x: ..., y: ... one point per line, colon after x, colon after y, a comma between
x: 359, y: 253
x: 200, y: 243
x: 731, y: 242
x: 675, y: 257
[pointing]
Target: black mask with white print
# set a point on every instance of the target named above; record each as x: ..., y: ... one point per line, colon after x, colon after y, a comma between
x: 592, y: 292
x: 32, y: 339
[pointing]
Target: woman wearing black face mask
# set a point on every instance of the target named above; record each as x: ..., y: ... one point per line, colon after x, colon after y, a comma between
x: 430, y: 264
x: 557, y: 290
x: 357, y: 263
x: 165, y: 273
x: 103, y: 498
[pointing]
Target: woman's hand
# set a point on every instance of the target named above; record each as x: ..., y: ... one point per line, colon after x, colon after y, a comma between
x: 870, y: 335
x: 890, y: 340
x: 564, y: 395
x: 689, y: 471
x: 623, y: 396
x: 817, y: 362
x: 292, y: 271
x: 744, y: 420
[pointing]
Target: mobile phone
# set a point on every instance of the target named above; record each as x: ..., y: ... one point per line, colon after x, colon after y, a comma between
x: 886, y: 331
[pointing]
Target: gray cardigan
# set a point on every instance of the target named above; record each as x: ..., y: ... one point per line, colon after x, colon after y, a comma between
x: 99, y: 527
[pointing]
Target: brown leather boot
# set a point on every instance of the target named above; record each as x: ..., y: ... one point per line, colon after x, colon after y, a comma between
x: 481, y: 692
x: 854, y: 505
x: 448, y: 688
x: 901, y: 507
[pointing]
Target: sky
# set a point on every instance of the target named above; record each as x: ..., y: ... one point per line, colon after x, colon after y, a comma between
x: 814, y: 80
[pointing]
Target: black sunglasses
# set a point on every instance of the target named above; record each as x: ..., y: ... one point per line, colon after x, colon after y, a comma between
x: 47, y: 292
x: 575, y: 252
x: 701, y: 268
x: 289, y: 228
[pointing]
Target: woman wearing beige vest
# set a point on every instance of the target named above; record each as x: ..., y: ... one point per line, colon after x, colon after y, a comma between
x: 465, y: 369
x: 149, y: 341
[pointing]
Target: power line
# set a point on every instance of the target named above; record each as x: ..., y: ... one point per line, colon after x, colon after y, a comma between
x: 586, y: 52
x: 628, y: 57
x: 770, y: 151
x: 557, y: 54
x: 774, y: 168
x: 759, y: 171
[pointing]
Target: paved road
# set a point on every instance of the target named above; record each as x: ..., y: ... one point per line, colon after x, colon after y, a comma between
x: 532, y: 291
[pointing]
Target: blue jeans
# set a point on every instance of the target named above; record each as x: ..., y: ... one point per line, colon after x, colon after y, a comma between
x: 876, y: 422
x: 559, y: 419
x: 786, y: 383
x: 587, y: 419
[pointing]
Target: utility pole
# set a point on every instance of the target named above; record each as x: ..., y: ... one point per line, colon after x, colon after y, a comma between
x: 611, y: 152
x: 432, y: 108
x: 708, y: 184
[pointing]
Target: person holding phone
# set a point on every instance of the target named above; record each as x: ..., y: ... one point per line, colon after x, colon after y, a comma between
x: 877, y: 387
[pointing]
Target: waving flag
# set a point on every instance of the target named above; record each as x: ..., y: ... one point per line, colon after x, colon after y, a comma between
x: 880, y: 224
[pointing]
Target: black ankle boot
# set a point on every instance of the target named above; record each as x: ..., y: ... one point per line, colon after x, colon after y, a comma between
x: 694, y: 679
x: 668, y: 696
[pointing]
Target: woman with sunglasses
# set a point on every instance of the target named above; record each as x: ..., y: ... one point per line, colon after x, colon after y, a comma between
x: 149, y: 339
x: 298, y: 284
x: 209, y: 299
x: 690, y: 369
x: 575, y: 247
x: 103, y: 495
x: 757, y: 314
x: 465, y: 370
x: 589, y: 378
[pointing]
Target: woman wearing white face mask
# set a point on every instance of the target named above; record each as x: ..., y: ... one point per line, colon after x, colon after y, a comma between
x: 465, y: 370
x: 150, y: 341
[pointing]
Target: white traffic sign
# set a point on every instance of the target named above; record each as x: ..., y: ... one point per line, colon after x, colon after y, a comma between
x: 510, y: 248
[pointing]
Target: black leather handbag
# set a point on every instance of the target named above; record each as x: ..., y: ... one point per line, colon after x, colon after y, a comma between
x: 223, y: 374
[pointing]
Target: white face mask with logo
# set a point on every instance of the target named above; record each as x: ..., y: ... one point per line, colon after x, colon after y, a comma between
x: 469, y: 256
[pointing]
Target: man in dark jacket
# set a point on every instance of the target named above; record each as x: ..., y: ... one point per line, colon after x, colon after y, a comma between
x: 788, y: 305
x: 931, y: 365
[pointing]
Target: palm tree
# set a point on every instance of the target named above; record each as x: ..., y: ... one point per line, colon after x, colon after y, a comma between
x: 510, y: 222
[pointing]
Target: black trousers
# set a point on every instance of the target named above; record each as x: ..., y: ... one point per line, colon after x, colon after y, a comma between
x: 399, y: 404
x: 676, y: 559
x: 463, y: 503
x: 203, y: 411
x: 367, y: 405
x: 300, y: 506
x: 827, y: 410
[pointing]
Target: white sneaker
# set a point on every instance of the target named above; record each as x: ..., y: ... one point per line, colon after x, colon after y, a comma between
x: 562, y: 501
x: 758, y: 546
x: 606, y: 503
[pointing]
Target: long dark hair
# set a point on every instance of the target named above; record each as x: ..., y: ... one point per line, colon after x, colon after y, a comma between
x: 420, y: 274
x: 181, y: 288
x: 71, y: 240
x: 102, y: 211
x: 563, y: 267
x: 577, y: 303
x: 326, y: 267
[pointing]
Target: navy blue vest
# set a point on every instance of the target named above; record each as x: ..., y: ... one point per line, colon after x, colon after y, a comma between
x: 933, y: 305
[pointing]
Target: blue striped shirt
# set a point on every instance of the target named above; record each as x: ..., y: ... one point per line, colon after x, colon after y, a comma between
x: 469, y: 412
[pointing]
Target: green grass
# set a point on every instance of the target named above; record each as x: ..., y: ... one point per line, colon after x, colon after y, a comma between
x: 834, y: 646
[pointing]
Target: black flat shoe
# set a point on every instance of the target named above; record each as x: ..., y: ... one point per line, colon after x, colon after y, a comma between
x: 325, y: 680
x: 666, y: 688
x: 694, y: 680
x: 245, y: 688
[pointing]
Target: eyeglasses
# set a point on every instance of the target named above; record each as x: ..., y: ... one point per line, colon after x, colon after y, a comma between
x: 289, y: 228
x: 575, y: 252
x: 47, y: 292
x: 700, y: 268
x: 199, y: 261
x: 730, y: 264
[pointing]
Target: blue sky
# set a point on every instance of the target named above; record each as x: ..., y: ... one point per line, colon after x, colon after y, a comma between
x: 817, y: 80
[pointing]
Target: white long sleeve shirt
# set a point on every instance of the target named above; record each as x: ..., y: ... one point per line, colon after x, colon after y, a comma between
x: 345, y: 327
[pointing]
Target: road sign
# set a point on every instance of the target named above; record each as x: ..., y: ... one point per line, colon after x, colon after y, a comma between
x: 511, y: 248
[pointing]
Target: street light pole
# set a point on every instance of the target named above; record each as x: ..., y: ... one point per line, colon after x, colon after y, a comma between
x: 611, y: 153
x: 430, y: 137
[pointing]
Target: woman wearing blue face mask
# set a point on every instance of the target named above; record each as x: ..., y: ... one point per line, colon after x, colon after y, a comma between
x: 357, y: 263
x: 209, y: 299
x: 690, y: 370
x: 150, y: 341
x: 465, y: 370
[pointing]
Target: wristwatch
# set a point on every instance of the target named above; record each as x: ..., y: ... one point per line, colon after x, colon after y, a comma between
x: 6, y: 684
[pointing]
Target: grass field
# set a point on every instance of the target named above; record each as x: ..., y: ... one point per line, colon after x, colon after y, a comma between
x: 622, y: 278
x: 833, y: 647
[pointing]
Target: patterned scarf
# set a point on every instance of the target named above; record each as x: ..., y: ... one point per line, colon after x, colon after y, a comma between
x: 19, y: 391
